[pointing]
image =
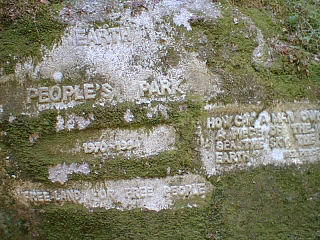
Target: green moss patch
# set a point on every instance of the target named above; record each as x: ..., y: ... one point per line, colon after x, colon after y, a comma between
x: 270, y: 203
x: 264, y: 203
x: 32, y: 26
x: 31, y: 160
x: 114, y: 224
x: 287, y: 72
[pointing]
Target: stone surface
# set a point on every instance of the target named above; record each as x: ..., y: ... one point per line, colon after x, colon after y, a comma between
x: 123, y: 59
x: 152, y: 194
x: 60, y: 172
x: 152, y: 107
x: 255, y: 136
x: 73, y: 121
x: 139, y: 143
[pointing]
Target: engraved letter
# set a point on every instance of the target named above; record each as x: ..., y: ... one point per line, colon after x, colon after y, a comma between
x: 55, y: 93
x: 44, y: 95
x: 165, y: 86
x: 210, y: 122
x: 144, y: 86
x: 67, y: 92
x: 89, y: 91
x: 32, y: 93
x: 238, y: 121
x: 154, y: 88
x: 219, y: 157
x: 176, y: 87
x: 78, y: 93
x: 106, y: 90
x: 81, y: 37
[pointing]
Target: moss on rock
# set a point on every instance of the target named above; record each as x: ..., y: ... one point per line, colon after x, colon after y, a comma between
x: 264, y: 203
x: 31, y: 26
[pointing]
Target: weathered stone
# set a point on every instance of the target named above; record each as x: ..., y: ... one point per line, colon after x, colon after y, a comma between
x: 60, y: 172
x: 73, y: 122
x: 145, y: 105
x: 151, y: 194
x: 121, y: 60
x: 128, y: 143
x: 251, y: 138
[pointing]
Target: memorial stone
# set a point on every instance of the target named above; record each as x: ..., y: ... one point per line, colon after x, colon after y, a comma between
x: 255, y: 136
x: 146, y: 112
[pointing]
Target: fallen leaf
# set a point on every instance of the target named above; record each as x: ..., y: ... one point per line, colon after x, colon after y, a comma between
x: 44, y: 1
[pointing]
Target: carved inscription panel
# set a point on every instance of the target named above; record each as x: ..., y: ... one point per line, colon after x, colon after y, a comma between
x: 133, y: 57
x: 255, y: 138
x: 151, y: 194
x: 105, y: 36
x: 61, y: 96
x: 140, y: 142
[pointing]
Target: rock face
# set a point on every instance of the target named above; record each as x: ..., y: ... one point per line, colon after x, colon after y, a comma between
x: 151, y: 194
x: 133, y: 54
x: 253, y: 137
x: 141, y: 107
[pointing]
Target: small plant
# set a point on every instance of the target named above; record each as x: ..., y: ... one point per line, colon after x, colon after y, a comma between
x: 303, y: 23
x: 301, y: 18
x: 11, y: 10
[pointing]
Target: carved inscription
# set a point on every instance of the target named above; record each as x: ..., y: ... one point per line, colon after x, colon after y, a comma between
x: 65, y: 96
x: 139, y: 142
x: 160, y: 88
x: 139, y: 192
x: 57, y: 93
x: 103, y: 146
x: 37, y: 196
x: 236, y: 137
x: 197, y: 189
x: 153, y: 194
x: 253, y: 138
x: 105, y: 36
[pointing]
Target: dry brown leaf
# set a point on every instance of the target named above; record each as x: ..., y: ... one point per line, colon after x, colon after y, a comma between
x: 44, y: 1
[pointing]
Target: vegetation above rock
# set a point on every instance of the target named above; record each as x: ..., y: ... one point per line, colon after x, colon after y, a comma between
x: 264, y: 203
